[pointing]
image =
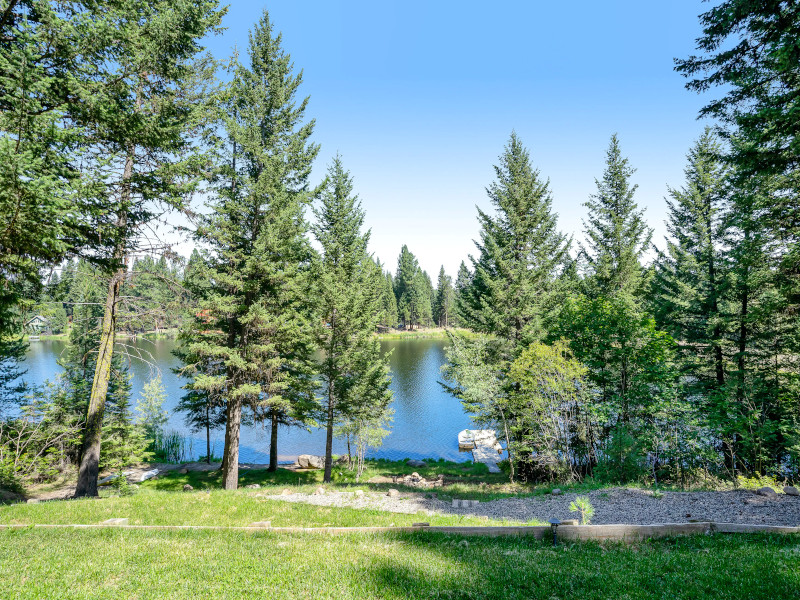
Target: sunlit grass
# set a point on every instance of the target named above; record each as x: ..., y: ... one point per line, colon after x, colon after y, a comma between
x: 111, y: 563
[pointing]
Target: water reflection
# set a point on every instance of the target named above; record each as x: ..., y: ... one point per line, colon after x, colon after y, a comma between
x: 426, y: 419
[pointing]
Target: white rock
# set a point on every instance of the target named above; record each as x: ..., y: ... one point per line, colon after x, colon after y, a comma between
x: 309, y: 461
x: 320, y: 491
x: 393, y: 493
x: 148, y: 475
x: 359, y: 493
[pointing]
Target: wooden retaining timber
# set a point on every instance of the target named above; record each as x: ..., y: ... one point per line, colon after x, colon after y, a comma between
x: 625, y: 533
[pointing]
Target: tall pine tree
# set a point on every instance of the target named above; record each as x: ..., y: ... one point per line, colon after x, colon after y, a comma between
x: 520, y: 254
x: 617, y: 235
x: 353, y: 373
x: 257, y: 319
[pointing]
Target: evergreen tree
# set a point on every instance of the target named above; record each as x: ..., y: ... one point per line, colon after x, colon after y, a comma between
x: 750, y: 49
x: 520, y: 252
x: 411, y: 288
x: 509, y: 299
x: 353, y: 373
x: 462, y: 288
x: 257, y: 319
x: 690, y: 287
x: 445, y: 300
x: 387, y: 315
x: 616, y: 232
x: 140, y: 125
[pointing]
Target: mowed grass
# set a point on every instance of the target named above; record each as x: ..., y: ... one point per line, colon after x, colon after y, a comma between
x: 218, y: 508
x: 114, y: 563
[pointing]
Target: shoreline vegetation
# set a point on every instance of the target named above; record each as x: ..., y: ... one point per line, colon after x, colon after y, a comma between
x: 392, y: 334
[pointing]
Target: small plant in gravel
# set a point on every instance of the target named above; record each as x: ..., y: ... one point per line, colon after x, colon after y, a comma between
x: 582, y: 505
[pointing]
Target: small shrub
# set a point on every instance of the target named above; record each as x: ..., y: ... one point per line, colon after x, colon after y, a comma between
x: 754, y: 483
x: 582, y: 505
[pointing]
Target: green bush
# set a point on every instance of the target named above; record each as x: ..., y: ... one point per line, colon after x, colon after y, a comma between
x: 622, y: 460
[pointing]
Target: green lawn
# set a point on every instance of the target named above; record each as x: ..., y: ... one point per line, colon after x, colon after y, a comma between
x: 234, y: 508
x: 115, y: 563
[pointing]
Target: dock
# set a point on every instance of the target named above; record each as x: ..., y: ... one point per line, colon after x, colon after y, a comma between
x: 484, y: 445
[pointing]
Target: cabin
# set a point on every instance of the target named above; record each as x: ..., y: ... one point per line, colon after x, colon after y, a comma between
x: 38, y: 325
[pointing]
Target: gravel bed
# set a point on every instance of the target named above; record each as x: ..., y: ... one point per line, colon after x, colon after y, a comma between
x: 615, y: 505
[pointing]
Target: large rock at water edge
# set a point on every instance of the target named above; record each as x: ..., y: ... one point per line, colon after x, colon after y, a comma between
x: 417, y: 464
x: 309, y: 461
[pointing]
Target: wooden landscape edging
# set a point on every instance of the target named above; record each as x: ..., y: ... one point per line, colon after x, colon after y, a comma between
x: 565, y: 532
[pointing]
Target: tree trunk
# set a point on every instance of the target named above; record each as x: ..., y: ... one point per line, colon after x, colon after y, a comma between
x: 230, y: 462
x: 273, y: 444
x: 208, y: 436
x: 92, y: 434
x: 90, y: 451
x: 329, y: 441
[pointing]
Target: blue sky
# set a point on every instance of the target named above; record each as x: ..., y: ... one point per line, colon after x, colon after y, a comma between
x: 420, y: 98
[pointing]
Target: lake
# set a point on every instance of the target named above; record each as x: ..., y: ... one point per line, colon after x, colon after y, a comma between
x: 426, y: 419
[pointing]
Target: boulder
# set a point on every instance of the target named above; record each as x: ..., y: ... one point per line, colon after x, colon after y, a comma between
x: 320, y: 491
x: 286, y: 492
x: 187, y: 488
x: 33, y: 501
x: 766, y: 491
x: 556, y: 492
x: 417, y: 464
x: 309, y: 461
x: 790, y: 490
x: 183, y: 471
x: 252, y: 486
x: 415, y: 475
x: 148, y: 475
x: 393, y: 493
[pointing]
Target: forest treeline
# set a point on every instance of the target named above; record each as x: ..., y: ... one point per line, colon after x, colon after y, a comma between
x: 621, y: 358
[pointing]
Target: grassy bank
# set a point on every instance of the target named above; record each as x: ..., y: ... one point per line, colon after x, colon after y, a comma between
x: 219, y: 508
x: 423, y: 333
x: 202, y: 564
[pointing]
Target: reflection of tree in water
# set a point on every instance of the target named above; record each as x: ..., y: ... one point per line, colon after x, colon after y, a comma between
x: 426, y: 420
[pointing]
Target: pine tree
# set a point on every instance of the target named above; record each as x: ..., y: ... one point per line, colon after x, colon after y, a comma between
x: 412, y: 290
x: 256, y: 321
x: 689, y: 289
x: 520, y: 252
x: 141, y: 124
x: 510, y: 295
x: 353, y: 373
x: 617, y: 235
x: 445, y: 300
x: 387, y: 315
x: 462, y: 288
x: 750, y: 49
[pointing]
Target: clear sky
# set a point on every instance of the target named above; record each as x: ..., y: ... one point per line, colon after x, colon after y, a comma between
x: 419, y: 97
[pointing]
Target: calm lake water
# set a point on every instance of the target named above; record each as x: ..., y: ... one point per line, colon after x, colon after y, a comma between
x: 426, y: 419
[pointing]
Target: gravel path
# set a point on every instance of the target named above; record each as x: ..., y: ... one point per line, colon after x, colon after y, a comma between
x: 616, y: 505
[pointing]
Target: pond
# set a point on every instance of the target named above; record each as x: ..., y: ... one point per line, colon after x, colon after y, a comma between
x: 426, y: 419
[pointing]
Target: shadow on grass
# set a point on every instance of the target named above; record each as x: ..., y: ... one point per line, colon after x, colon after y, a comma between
x: 515, y: 568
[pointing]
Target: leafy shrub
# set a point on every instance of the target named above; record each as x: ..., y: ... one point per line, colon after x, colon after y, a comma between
x: 754, y: 483
x: 622, y: 460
